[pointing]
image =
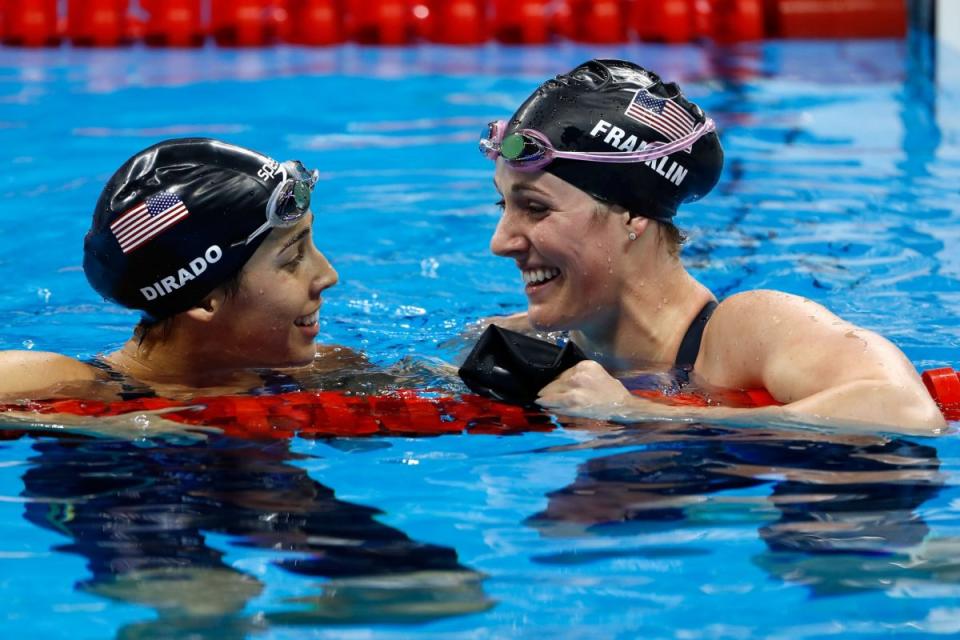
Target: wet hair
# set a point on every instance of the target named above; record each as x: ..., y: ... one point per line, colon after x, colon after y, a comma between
x: 615, y: 105
x: 674, y: 236
x: 669, y: 232
x: 160, y: 330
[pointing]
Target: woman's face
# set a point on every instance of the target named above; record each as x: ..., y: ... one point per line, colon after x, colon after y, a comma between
x: 272, y: 321
x: 568, y: 254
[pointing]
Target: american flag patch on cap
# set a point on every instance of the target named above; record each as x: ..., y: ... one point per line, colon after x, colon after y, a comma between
x: 139, y: 224
x: 660, y: 114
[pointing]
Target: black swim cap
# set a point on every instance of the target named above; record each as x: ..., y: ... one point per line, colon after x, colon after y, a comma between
x: 166, y: 223
x: 614, y: 105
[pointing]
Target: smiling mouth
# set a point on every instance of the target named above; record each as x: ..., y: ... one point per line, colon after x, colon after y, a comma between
x: 308, y: 320
x: 539, y: 276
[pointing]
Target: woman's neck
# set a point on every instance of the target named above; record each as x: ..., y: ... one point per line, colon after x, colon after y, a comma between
x: 174, y: 362
x: 649, y: 324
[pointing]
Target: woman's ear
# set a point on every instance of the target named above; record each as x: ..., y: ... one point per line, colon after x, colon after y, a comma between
x: 636, y: 226
x: 207, y: 309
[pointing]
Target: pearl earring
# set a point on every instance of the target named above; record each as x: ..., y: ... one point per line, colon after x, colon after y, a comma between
x: 632, y: 235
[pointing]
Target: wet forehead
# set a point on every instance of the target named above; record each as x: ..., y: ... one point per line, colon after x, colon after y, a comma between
x: 509, y: 180
x: 284, y: 237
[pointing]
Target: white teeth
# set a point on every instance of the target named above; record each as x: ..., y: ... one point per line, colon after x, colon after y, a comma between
x: 536, y: 276
x: 308, y: 320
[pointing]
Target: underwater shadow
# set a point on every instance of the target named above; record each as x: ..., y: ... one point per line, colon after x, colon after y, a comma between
x: 837, y: 513
x: 143, y: 514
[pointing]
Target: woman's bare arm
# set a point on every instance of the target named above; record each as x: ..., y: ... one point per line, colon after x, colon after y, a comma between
x: 814, y: 362
x: 824, y: 370
x: 30, y: 371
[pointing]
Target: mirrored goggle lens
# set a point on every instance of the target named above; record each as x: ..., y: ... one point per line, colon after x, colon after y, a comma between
x: 519, y: 148
x: 495, y: 131
x: 490, y: 144
x: 303, y: 174
x: 293, y: 200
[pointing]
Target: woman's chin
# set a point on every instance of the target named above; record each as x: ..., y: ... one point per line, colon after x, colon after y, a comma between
x: 545, y: 319
x: 305, y: 361
x: 295, y: 360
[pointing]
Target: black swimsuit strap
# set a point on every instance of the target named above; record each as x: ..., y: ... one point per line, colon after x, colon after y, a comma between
x: 690, y: 346
x: 276, y: 382
x: 130, y: 388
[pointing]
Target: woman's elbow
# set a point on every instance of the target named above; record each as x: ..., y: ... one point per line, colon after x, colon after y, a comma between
x: 929, y: 417
x: 912, y: 410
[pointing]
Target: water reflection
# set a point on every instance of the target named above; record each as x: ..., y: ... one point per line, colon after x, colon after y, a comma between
x: 141, y: 517
x: 837, y: 513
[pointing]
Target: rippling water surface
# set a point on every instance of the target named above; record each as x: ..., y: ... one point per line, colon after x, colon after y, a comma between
x: 840, y: 185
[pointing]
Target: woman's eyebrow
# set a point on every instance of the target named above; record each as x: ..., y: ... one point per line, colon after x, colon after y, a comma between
x: 517, y: 187
x: 294, y: 240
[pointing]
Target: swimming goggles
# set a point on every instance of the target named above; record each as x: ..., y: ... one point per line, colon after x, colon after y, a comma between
x: 530, y: 150
x: 289, y: 201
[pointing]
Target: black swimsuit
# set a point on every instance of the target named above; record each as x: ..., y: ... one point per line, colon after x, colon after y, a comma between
x: 274, y: 382
x: 690, y: 345
x: 679, y: 376
x: 130, y: 388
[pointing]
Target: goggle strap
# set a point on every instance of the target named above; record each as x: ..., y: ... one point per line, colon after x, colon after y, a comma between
x: 259, y: 230
x: 490, y: 147
x: 651, y: 152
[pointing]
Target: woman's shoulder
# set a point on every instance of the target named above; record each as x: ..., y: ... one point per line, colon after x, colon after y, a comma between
x: 333, y: 357
x: 760, y: 308
x: 747, y: 327
x: 25, y: 371
x: 760, y: 299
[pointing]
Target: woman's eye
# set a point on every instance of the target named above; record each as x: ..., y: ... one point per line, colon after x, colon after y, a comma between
x: 537, y: 208
x: 293, y: 264
x: 530, y: 206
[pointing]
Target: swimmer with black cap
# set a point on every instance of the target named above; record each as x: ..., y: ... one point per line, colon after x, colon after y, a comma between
x: 212, y: 243
x: 592, y: 169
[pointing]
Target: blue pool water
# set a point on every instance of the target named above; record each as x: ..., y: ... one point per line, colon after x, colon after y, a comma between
x: 840, y: 185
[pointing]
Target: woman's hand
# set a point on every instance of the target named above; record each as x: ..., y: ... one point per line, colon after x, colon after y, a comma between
x: 588, y: 391
x: 135, y: 425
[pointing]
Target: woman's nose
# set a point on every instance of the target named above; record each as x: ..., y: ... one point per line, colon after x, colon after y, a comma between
x: 325, y: 275
x: 508, y: 238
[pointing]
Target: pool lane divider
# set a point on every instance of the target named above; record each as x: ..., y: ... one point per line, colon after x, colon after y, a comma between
x: 257, y: 23
x: 333, y: 414
x: 944, y: 387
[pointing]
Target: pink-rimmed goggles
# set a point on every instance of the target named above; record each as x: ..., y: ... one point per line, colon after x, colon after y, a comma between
x: 530, y: 150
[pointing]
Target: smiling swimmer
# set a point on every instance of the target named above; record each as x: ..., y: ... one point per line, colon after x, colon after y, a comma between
x: 592, y: 168
x: 213, y: 244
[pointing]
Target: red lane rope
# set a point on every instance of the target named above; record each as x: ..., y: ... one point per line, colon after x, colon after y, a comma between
x: 322, y: 414
x: 257, y: 23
